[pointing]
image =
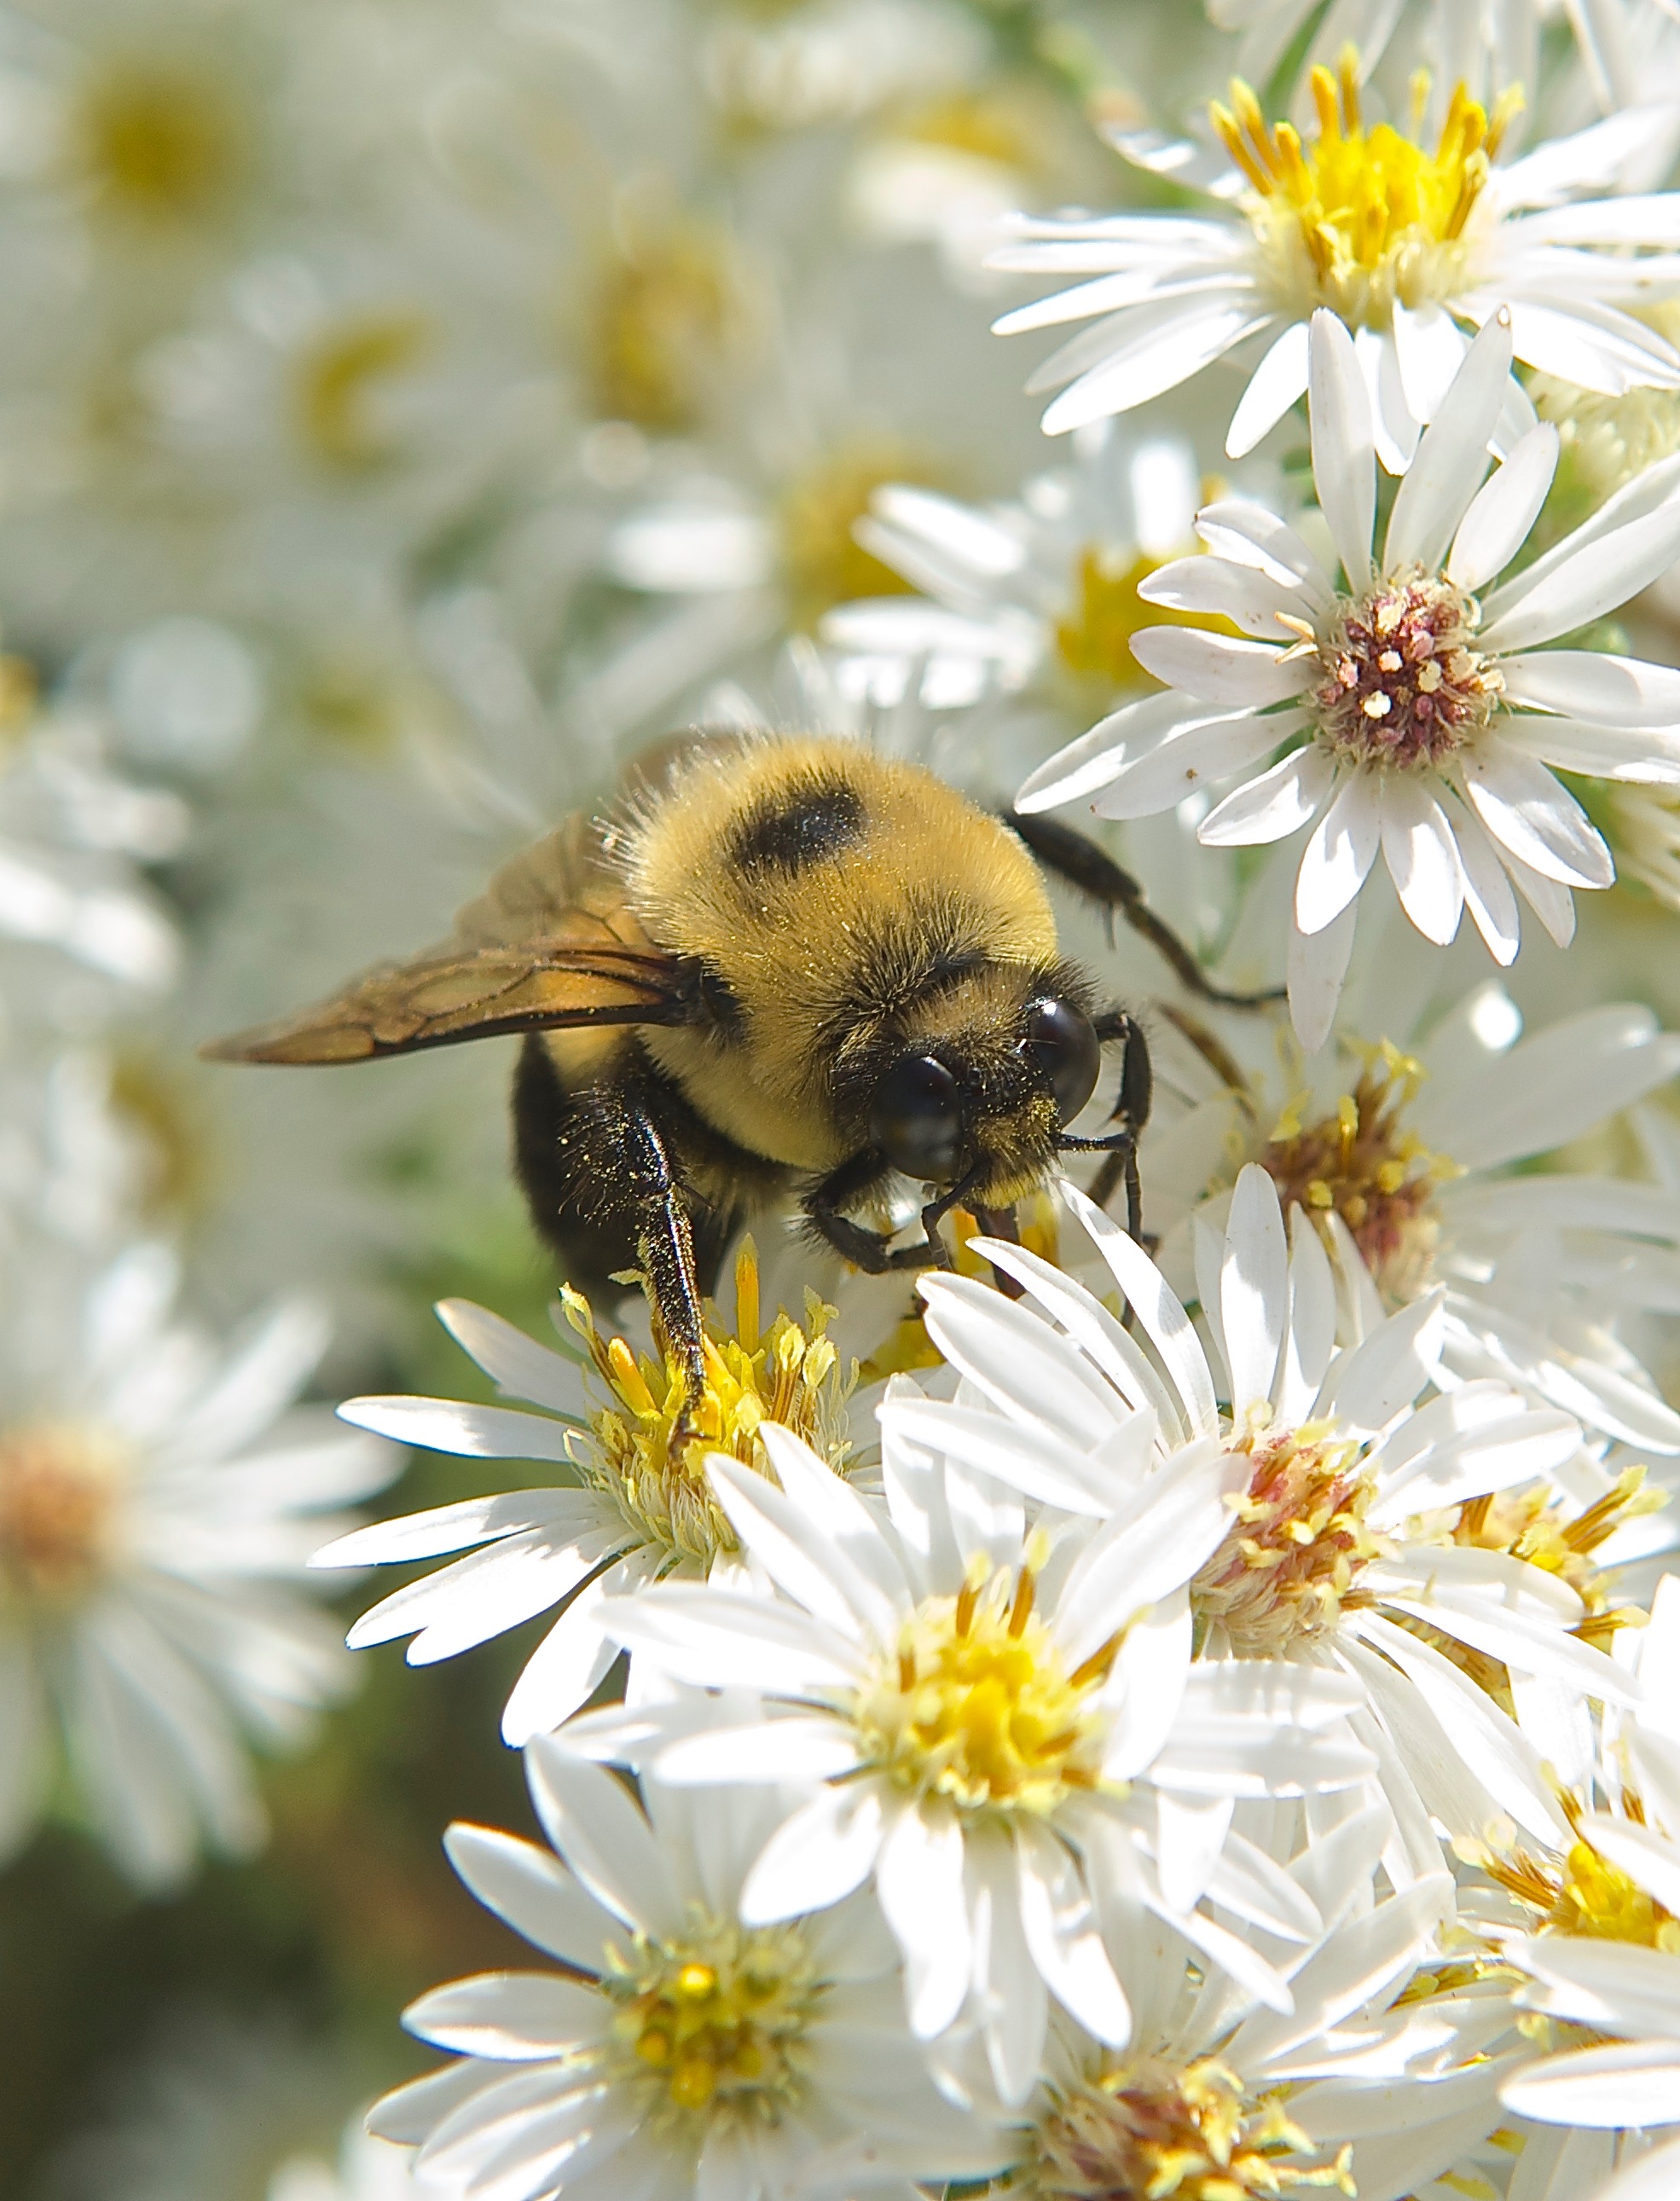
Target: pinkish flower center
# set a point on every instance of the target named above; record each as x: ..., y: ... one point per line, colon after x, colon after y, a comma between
x: 1402, y: 685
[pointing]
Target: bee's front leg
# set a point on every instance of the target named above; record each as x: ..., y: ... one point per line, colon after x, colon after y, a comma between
x: 872, y: 1251
x: 654, y: 1193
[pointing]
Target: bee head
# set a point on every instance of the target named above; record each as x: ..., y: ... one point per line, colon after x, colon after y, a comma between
x: 980, y: 1092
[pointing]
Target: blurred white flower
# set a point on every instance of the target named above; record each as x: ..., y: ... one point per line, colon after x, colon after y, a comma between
x: 684, y: 2048
x: 1414, y: 717
x: 151, y: 1537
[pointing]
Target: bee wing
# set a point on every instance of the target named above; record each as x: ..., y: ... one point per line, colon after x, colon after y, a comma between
x: 550, y: 943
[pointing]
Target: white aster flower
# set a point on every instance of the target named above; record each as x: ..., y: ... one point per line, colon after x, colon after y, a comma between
x: 1405, y: 244
x: 1605, y: 1956
x: 1375, y: 2083
x: 631, y: 1508
x: 150, y: 1538
x: 1047, y: 583
x: 1348, y: 1548
x: 1009, y: 1733
x: 1419, y: 1163
x: 1411, y: 715
x: 683, y: 2048
x: 1486, y: 43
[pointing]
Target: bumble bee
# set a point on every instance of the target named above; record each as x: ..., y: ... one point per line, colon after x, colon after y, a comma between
x: 780, y: 964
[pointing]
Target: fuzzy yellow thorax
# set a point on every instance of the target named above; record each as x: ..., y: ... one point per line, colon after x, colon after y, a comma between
x: 650, y: 1460
x: 1362, y: 215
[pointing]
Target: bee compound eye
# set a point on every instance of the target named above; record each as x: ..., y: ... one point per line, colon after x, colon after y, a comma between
x: 915, y: 1118
x: 1059, y: 1042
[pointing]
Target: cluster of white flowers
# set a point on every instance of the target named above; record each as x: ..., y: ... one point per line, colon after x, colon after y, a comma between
x: 1189, y: 1720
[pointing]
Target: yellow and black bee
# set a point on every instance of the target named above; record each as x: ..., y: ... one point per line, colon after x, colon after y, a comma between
x: 781, y: 966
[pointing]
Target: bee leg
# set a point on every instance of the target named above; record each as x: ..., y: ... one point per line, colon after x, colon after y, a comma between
x: 664, y: 1237
x: 1076, y: 858
x: 1127, y: 1117
x: 872, y: 1251
x: 999, y: 1223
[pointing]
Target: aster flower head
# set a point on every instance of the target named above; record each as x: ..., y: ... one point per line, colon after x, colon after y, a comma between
x: 1408, y: 241
x: 1413, y: 714
x: 1005, y: 1724
x: 1341, y: 1551
x: 678, y: 2047
x: 153, y: 1525
x: 635, y: 1505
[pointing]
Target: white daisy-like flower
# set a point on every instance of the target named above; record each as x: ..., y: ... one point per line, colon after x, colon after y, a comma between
x: 150, y: 1540
x: 1412, y: 715
x: 1376, y: 2083
x: 1044, y: 583
x: 1605, y: 1953
x: 631, y: 1509
x: 1008, y: 1732
x: 1418, y: 1161
x: 682, y: 2048
x: 1349, y: 1544
x: 1406, y: 244
x: 1485, y: 43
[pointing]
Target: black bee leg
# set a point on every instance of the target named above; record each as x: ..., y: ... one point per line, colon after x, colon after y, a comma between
x: 1130, y: 1112
x: 1076, y: 858
x: 869, y: 1250
x: 664, y: 1238
x: 999, y: 1223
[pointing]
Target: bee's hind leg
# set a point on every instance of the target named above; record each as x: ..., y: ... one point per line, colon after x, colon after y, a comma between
x: 649, y: 1191
x: 1075, y: 857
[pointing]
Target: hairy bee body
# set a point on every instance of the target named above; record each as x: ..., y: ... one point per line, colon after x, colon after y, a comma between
x: 780, y: 967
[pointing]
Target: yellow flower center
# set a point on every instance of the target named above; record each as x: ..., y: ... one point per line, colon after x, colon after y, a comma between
x: 789, y: 1374
x: 718, y: 2022
x: 157, y: 143
x: 908, y: 1345
x: 977, y: 1705
x: 1361, y: 217
x: 1580, y: 1892
x: 338, y: 381
x: 1297, y: 1546
x: 824, y: 562
x: 59, y: 1484
x: 1151, y: 2128
x: 1534, y: 1526
x: 1363, y: 1164
x: 1400, y: 686
x: 670, y: 316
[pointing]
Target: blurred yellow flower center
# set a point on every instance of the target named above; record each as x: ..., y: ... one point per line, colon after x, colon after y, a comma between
x: 719, y: 2019
x: 59, y: 1483
x: 670, y: 315
x: 977, y: 1705
x: 1152, y: 2128
x: 1297, y: 1546
x: 338, y: 381
x: 789, y: 1374
x: 1360, y: 217
x: 1363, y: 1164
x: 824, y: 562
x: 155, y: 142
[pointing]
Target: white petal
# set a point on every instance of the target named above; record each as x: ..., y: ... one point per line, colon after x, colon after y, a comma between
x: 448, y: 1425
x: 1164, y: 345
x: 1344, y: 458
x: 1388, y: 1369
x: 1594, y: 685
x: 1429, y: 346
x: 1165, y: 1322
x: 1280, y: 803
x: 1099, y: 756
x: 1250, y: 534
x: 1060, y: 1930
x: 1652, y: 2177
x: 512, y: 2015
x: 1532, y: 815
x: 1503, y: 510
x: 1318, y: 964
x: 815, y: 1858
x: 564, y: 1670
x: 1009, y: 1987
x: 1584, y: 581
x: 723, y: 1640
x: 1220, y: 668
x: 1202, y: 583
x: 1212, y: 751
x: 1630, y: 2082
x: 1487, y: 892
x: 919, y: 1879
x: 772, y: 1751
x: 1254, y: 1288
x: 533, y: 1892
x: 1275, y: 385
x: 588, y: 1817
x: 1340, y: 854
x: 1422, y: 860
x: 522, y: 1368
x: 1452, y: 457
x: 450, y: 1528
x: 1651, y: 758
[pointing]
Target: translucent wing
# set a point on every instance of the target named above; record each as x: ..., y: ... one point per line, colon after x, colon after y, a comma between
x: 550, y: 943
